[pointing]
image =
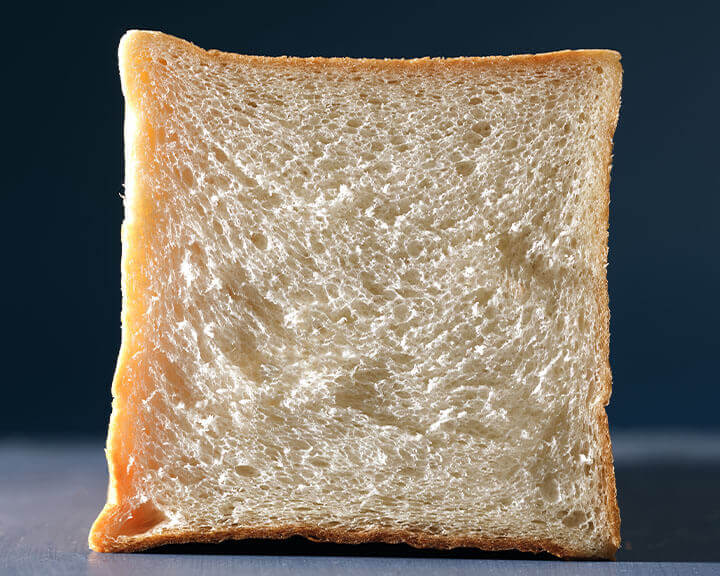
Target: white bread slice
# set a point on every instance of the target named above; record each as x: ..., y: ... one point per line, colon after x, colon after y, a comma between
x: 364, y: 301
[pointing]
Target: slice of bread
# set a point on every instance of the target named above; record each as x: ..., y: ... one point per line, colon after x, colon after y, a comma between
x: 364, y: 301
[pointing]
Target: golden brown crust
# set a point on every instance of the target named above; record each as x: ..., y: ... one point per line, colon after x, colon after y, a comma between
x: 424, y: 65
x: 607, y: 476
x: 135, y: 230
x: 112, y: 531
x: 340, y: 536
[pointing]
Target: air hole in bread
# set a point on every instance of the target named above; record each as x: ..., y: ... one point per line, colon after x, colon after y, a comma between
x: 246, y: 470
x: 138, y: 520
x: 465, y: 167
x: 259, y: 239
x: 549, y: 489
x: 187, y: 176
x: 220, y: 155
x: 574, y: 519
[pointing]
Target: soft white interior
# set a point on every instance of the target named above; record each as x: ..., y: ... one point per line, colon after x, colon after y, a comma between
x: 373, y: 301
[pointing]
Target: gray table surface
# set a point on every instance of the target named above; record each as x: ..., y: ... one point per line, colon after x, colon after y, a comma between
x: 50, y: 492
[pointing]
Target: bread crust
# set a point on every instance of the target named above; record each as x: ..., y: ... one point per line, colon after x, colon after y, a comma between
x: 104, y: 535
x: 607, y: 477
x: 342, y: 536
x: 424, y: 65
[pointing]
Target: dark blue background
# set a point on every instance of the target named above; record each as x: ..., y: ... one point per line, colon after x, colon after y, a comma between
x: 62, y: 177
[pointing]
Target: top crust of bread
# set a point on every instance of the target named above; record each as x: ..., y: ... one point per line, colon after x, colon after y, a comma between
x: 123, y: 525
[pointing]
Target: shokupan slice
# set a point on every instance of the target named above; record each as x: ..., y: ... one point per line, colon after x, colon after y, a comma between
x: 364, y: 301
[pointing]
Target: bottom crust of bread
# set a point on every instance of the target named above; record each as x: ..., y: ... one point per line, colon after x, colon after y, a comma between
x: 343, y: 536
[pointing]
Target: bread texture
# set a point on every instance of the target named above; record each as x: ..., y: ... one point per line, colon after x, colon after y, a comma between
x: 364, y: 301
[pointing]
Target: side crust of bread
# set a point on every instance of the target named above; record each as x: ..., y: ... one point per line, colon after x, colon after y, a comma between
x: 105, y: 535
x: 605, y: 379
